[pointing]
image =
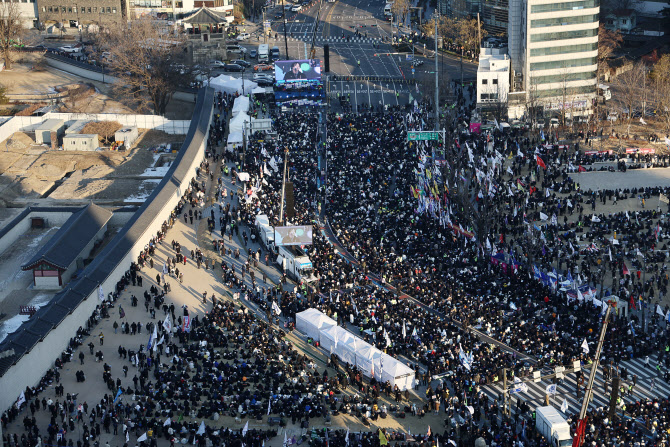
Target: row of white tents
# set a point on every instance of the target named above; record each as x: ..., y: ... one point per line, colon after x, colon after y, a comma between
x: 353, y: 350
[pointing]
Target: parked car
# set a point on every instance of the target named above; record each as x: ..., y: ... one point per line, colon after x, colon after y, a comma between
x: 264, y: 82
x: 269, y: 76
x: 233, y: 67
x: 553, y: 122
x: 253, y: 53
x: 296, y: 8
x: 216, y: 64
x: 243, y: 36
x: 263, y: 67
x: 278, y: 16
x: 70, y: 48
x: 245, y: 64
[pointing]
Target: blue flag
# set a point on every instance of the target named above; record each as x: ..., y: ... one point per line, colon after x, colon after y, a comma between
x: 118, y: 394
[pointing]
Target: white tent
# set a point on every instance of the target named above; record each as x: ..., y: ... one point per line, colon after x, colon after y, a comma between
x: 346, y: 346
x: 391, y: 370
x: 241, y: 104
x: 237, y: 123
x: 229, y: 84
x: 366, y: 356
x: 329, y: 337
x: 234, y: 140
x: 311, y: 322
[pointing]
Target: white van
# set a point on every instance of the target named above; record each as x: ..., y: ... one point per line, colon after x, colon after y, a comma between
x: 234, y: 49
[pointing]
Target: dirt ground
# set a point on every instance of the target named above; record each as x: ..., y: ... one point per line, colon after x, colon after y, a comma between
x: 29, y: 171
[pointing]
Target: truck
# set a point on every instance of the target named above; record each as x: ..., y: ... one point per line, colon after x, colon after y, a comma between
x: 265, y: 232
x: 274, y: 53
x: 263, y: 52
x: 295, y: 263
x: 555, y: 429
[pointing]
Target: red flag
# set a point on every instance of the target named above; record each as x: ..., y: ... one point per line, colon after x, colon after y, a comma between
x: 456, y: 141
x: 625, y: 270
x: 540, y: 162
x: 632, y: 302
x: 581, y: 168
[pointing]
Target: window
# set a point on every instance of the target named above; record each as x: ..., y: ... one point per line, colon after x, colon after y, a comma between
x: 625, y: 21
x: 559, y: 21
x: 114, y: 10
x: 565, y: 49
x: 495, y: 82
x: 567, y: 92
x: 109, y: 10
x: 564, y: 77
x: 89, y: 9
x: 546, y: 37
x: 74, y: 9
x: 62, y: 9
x: 69, y: 9
x: 485, y: 81
x: 565, y: 6
x: 44, y: 9
x: 563, y: 64
x: 95, y: 9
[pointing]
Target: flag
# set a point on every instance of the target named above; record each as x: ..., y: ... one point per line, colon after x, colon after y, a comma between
x: 165, y: 269
x: 152, y: 339
x: 268, y: 407
x: 167, y: 422
x: 346, y: 437
x: 167, y: 324
x: 540, y: 162
x: 564, y: 406
x: 580, y: 297
x: 245, y: 429
x: 663, y: 198
x: 142, y: 438
x: 585, y: 347
x: 118, y: 394
x: 127, y: 437
x: 595, y: 218
x: 581, y: 169
x: 382, y: 438
x: 551, y: 389
x: 101, y: 294
x: 21, y: 400
x: 610, y: 252
x: 201, y: 429
x: 284, y: 444
x: 429, y: 432
x: 659, y: 310
x: 642, y: 121
x: 404, y: 329
x: 275, y: 308
x: 625, y: 270
x: 543, y: 216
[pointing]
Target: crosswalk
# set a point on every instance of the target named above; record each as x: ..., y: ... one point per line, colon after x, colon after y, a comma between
x: 333, y: 39
x: 535, y: 395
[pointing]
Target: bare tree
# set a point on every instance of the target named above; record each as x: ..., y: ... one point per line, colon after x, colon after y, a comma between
x: 608, y: 42
x: 11, y: 30
x: 399, y: 9
x: 147, y: 59
x: 660, y: 76
x: 467, y: 34
x: 629, y: 87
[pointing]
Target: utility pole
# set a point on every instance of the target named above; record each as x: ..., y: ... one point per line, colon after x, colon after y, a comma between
x: 265, y: 34
x: 283, y: 188
x: 437, y: 85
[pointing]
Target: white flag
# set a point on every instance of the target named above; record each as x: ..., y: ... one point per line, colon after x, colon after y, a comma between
x: 585, y: 347
x: 275, y: 308
x: 165, y: 269
x: 564, y: 406
x: 471, y: 409
x: 268, y: 407
x: 551, y: 389
x: 595, y: 218
x: 167, y: 324
x: 284, y: 444
x: 543, y: 216
x: 21, y: 400
x: 127, y: 437
x: 167, y: 422
x: 643, y: 121
x: 142, y: 438
x: 659, y: 310
x: 404, y: 330
x: 245, y: 429
x: 346, y: 437
x: 201, y: 429
x: 101, y: 294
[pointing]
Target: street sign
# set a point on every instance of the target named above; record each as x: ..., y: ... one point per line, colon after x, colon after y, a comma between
x: 536, y: 376
x: 266, y: 24
x: 409, y: 57
x: 423, y: 136
x: 559, y: 372
x: 413, y: 70
x: 577, y: 365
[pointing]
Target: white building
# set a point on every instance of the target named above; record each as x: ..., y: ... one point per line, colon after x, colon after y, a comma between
x: 492, y: 77
x: 553, y: 46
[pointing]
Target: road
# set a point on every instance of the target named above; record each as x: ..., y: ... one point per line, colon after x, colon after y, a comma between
x: 359, y: 38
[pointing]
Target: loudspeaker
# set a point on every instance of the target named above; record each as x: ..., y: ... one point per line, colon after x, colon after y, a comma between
x: 326, y: 57
x: 614, y: 397
x: 290, y: 204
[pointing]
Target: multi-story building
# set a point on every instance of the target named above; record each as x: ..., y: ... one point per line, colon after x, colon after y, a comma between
x: 553, y: 45
x: 495, y: 15
x: 492, y: 78
x: 72, y: 13
x: 177, y: 9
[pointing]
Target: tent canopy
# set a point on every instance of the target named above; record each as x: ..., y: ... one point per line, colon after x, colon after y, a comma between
x: 235, y: 137
x: 241, y: 104
x: 311, y: 322
x: 237, y: 122
x: 232, y: 85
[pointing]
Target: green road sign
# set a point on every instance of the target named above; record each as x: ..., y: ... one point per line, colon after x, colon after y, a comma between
x: 423, y: 136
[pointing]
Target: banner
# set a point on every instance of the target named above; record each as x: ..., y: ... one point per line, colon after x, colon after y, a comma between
x: 296, y: 235
x: 186, y: 324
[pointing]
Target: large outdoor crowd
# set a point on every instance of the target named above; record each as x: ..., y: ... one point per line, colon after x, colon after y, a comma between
x: 232, y: 363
